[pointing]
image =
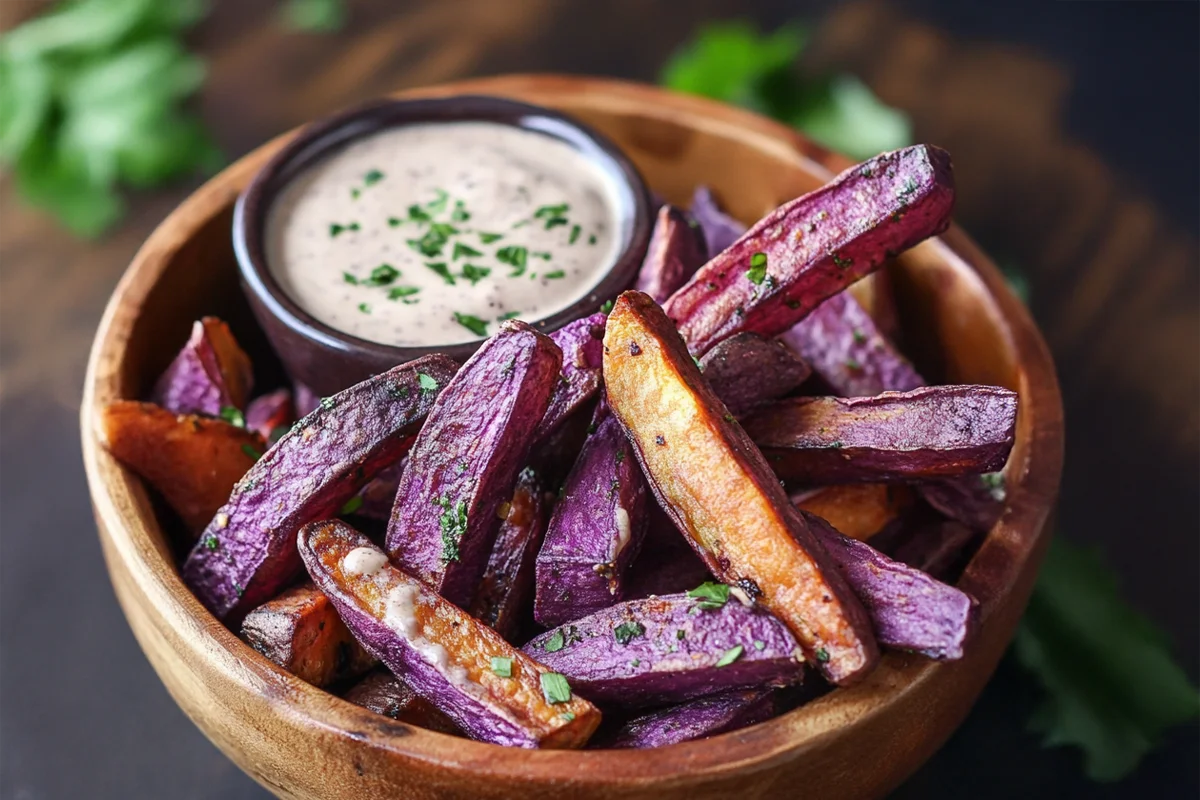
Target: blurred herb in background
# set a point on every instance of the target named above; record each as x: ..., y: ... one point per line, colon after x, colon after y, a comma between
x: 314, y: 15
x: 734, y: 63
x: 91, y: 101
x: 1111, y: 686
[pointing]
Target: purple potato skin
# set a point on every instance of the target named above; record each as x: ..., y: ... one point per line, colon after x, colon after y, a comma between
x: 667, y: 563
x: 675, y: 658
x: 910, y: 610
x: 854, y: 359
x: 697, y: 719
x: 935, y: 548
x: 482, y: 718
x: 248, y: 552
x: 508, y: 578
x: 817, y: 245
x: 306, y: 399
x: 465, y: 460
x: 931, y: 432
x: 848, y: 353
x: 582, y: 345
x: 675, y: 252
x: 270, y: 411
x: 596, y: 530
x: 748, y: 372
x: 967, y: 499
x: 720, y: 230
x: 193, y: 383
x: 379, y: 495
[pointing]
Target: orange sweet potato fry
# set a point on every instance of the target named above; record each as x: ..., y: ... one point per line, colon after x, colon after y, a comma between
x: 857, y: 510
x: 492, y: 690
x: 193, y: 461
x: 720, y: 491
x: 301, y: 632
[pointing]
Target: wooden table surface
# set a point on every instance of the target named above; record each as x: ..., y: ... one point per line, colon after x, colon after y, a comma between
x: 1074, y: 130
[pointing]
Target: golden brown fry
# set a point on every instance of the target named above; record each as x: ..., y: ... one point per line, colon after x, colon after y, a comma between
x: 718, y: 488
x: 193, y: 461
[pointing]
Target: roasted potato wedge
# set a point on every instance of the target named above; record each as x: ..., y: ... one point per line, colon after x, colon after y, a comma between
x: 718, y: 489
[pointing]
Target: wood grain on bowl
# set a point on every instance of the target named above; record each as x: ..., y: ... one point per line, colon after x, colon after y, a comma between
x: 961, y: 324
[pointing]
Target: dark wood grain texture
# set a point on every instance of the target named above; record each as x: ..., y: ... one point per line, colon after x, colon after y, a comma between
x: 1028, y: 190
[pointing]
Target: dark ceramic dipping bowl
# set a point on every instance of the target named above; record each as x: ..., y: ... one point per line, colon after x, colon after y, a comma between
x: 328, y: 360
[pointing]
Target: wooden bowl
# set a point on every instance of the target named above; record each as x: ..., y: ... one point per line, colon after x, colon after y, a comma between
x: 963, y: 325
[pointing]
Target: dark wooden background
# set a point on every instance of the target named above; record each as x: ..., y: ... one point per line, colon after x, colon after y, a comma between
x: 1075, y: 130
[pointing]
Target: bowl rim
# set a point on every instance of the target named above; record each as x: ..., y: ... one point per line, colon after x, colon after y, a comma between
x: 321, y: 138
x: 998, y: 568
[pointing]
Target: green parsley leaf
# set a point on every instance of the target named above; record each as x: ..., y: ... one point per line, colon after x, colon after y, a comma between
x: 628, y: 631
x: 759, y: 644
x: 233, y: 416
x: 460, y: 213
x: 93, y: 99
x: 475, y: 325
x: 318, y: 16
x: 758, y: 268
x: 488, y: 238
x: 822, y: 655
x: 382, y: 275
x: 364, y: 308
x: 555, y: 275
x: 464, y: 251
x: 352, y: 505
x: 453, y: 524
x: 606, y: 307
x: 575, y: 231
x: 475, y: 274
x: 418, y: 214
x: 508, y: 315
x: 554, y: 643
x: 441, y: 269
x: 438, y: 205
x: 211, y: 542
x: 427, y: 382
x: 1111, y: 686
x: 735, y: 63
x: 251, y: 452
x: 372, y: 177
x: 567, y: 716
x: 515, y: 256
x: 729, y: 656
x: 710, y: 595
x: 502, y: 666
x: 401, y: 292
x: 555, y: 688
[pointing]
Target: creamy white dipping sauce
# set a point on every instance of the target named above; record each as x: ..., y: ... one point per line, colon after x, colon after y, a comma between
x: 432, y: 234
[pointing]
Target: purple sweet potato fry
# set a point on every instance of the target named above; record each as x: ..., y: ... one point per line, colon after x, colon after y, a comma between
x: 507, y: 582
x: 670, y: 649
x: 493, y: 691
x: 209, y: 374
x: 854, y: 359
x: 596, y: 529
x: 696, y: 719
x: 847, y: 352
x: 909, y: 609
x: 271, y: 414
x: 582, y: 345
x: 930, y: 432
x: 976, y: 501
x: 935, y: 547
x: 667, y: 564
x: 382, y: 692
x: 465, y: 460
x: 305, y: 399
x: 747, y: 372
x: 815, y: 246
x: 379, y: 495
x: 720, y: 230
x: 676, y: 251
x: 248, y: 552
